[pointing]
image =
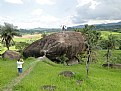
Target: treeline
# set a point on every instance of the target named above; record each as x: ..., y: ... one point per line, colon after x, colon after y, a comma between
x: 39, y: 30
x: 114, y: 27
x: 99, y: 28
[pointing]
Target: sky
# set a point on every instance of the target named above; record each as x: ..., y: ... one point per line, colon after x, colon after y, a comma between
x: 55, y: 13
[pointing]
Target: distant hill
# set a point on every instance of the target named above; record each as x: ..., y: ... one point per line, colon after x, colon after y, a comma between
x: 108, y: 26
x: 39, y: 30
x: 111, y: 26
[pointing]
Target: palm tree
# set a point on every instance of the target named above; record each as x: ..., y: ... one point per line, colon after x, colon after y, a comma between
x: 8, y: 31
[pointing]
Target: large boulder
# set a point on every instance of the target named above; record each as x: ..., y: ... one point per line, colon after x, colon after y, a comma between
x: 12, y: 55
x: 57, y: 44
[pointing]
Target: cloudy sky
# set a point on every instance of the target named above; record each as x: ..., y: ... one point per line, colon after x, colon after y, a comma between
x: 54, y: 13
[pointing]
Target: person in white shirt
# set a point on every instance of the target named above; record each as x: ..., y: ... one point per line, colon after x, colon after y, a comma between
x: 19, y: 65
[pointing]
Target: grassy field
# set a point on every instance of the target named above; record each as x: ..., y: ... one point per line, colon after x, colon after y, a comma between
x: 105, y: 34
x: 8, y: 70
x: 46, y: 73
x: 25, y: 38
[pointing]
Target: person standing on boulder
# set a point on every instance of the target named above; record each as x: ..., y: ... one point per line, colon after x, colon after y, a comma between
x: 19, y: 66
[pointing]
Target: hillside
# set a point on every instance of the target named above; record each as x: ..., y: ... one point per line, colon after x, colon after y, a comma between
x: 39, y: 30
x: 108, y: 26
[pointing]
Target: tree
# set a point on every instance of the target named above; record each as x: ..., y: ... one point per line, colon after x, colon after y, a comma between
x: 110, y: 44
x: 21, y: 45
x: 63, y: 59
x: 119, y: 43
x: 91, y: 40
x: 8, y: 31
x: 78, y: 29
x: 44, y: 34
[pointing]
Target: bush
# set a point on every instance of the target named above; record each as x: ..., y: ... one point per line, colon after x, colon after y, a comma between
x: 63, y: 58
x: 20, y: 46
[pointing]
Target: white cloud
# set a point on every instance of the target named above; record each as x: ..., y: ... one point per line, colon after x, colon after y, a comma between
x: 14, y: 1
x: 67, y: 21
x: 6, y: 19
x: 92, y: 3
x: 91, y: 22
x: 37, y: 12
x: 32, y: 21
x: 49, y: 18
x: 97, y: 10
x: 43, y: 2
x: 44, y: 21
x: 83, y: 2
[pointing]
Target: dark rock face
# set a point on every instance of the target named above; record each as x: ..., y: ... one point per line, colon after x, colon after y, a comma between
x: 57, y: 44
x: 12, y: 55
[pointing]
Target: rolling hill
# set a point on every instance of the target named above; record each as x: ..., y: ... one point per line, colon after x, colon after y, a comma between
x: 108, y: 26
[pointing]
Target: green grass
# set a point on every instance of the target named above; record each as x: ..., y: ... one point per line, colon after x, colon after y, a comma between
x: 100, y: 79
x: 46, y: 73
x: 115, y: 56
x: 104, y: 34
x: 8, y: 70
x: 20, y: 39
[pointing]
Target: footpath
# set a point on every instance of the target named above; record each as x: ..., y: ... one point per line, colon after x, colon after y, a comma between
x: 19, y: 78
